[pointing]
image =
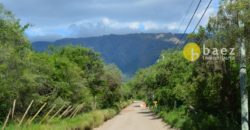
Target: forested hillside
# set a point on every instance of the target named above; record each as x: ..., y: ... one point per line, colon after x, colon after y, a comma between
x: 129, y: 52
x: 204, y: 95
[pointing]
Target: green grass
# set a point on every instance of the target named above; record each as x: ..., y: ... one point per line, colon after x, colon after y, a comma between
x: 180, y: 118
x: 85, y: 121
x: 176, y: 118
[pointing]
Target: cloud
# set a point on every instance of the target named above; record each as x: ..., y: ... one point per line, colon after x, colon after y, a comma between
x: 53, y: 19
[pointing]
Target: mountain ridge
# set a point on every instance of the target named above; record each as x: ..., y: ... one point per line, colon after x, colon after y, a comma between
x: 129, y: 52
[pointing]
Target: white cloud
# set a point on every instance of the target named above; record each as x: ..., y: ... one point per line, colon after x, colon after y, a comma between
x: 134, y: 25
x: 82, y: 18
x: 149, y: 25
x: 100, y: 26
x: 172, y: 26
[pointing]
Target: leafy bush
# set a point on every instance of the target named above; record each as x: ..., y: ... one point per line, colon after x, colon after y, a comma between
x: 70, y: 75
x: 209, y: 89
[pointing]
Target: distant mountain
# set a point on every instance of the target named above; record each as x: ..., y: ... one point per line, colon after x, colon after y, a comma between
x: 129, y: 52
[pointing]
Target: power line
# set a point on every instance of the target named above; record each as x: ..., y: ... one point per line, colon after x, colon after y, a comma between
x: 202, y: 15
x: 190, y: 21
x: 186, y: 14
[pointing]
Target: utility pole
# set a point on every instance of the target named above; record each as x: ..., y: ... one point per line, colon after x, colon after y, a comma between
x: 243, y: 79
x: 243, y: 88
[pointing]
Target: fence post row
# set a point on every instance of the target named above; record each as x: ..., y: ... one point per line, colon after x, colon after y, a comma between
x: 70, y: 112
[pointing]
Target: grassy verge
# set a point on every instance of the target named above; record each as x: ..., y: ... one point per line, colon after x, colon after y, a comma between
x: 85, y: 121
x: 183, y: 120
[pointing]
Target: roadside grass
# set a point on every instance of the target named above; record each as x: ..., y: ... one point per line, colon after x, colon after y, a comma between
x: 181, y: 119
x: 85, y: 121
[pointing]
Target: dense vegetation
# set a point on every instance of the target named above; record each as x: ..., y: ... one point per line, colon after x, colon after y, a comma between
x: 204, y: 95
x: 59, y: 77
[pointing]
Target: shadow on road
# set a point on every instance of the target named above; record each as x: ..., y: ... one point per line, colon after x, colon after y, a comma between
x: 137, y: 106
x: 145, y: 112
x: 150, y: 114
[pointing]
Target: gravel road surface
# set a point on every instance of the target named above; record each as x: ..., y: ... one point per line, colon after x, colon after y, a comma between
x: 135, y: 117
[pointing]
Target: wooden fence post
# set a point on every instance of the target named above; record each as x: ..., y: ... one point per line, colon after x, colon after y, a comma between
x: 6, y: 120
x: 65, y: 112
x: 13, y: 109
x: 57, y: 112
x: 26, y: 112
x: 68, y: 112
x: 30, y: 121
x: 47, y: 114
x: 80, y: 107
x: 74, y: 111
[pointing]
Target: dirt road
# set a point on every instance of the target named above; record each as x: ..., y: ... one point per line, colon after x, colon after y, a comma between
x: 135, y: 117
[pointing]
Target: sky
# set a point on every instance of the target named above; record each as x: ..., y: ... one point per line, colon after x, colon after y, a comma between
x: 55, y: 19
